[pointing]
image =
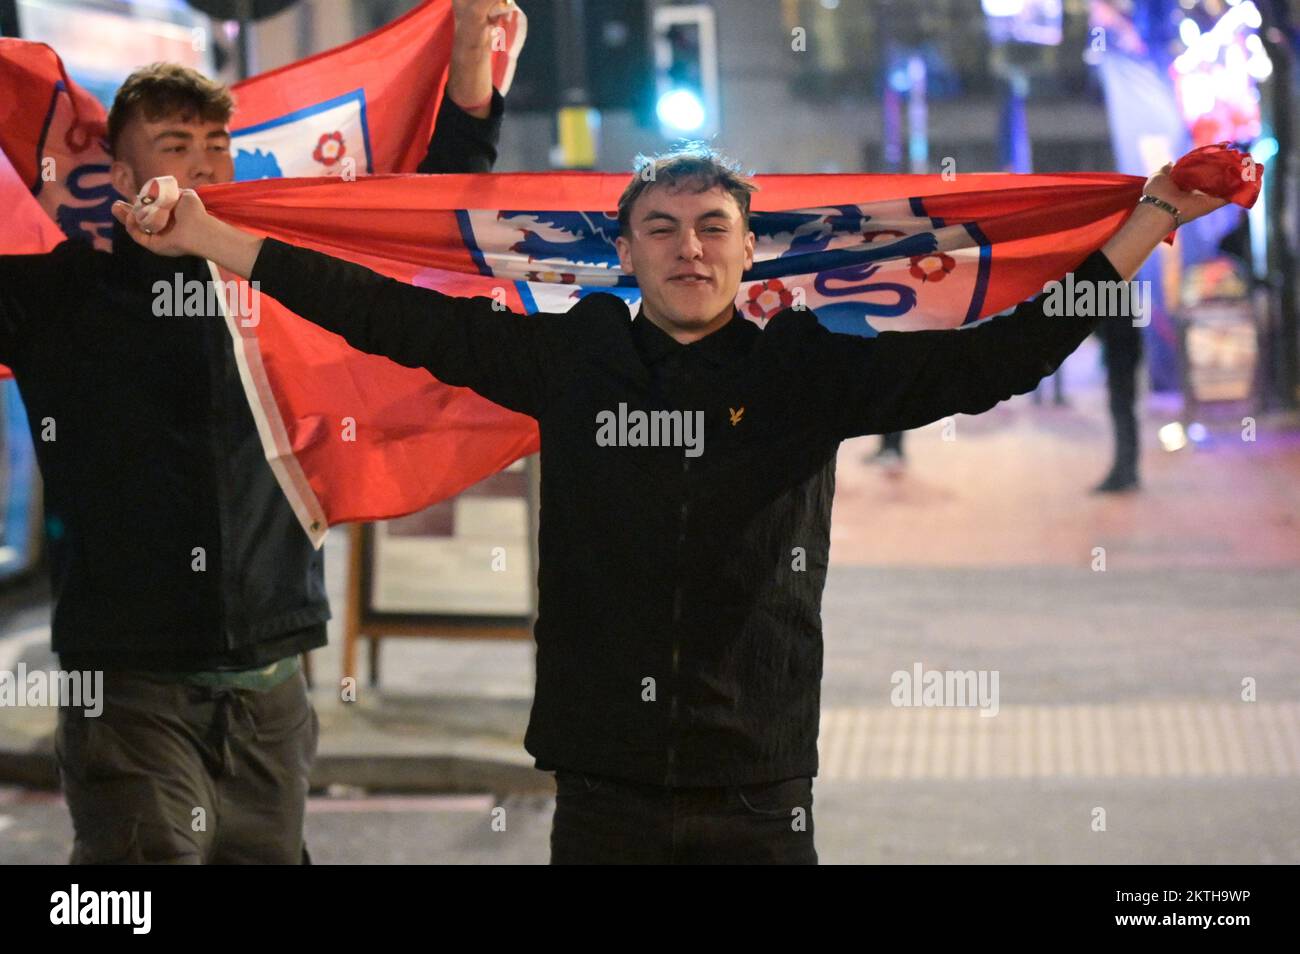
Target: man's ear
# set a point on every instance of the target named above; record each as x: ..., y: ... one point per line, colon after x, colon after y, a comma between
x: 123, y: 178
x: 624, y: 249
x: 749, y: 251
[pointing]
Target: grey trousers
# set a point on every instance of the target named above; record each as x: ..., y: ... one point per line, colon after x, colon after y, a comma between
x: 177, y: 774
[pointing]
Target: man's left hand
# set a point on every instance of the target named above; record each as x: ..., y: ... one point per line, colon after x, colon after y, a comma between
x: 1191, y: 205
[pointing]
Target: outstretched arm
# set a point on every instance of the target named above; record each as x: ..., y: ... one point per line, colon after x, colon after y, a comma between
x: 900, y: 380
x: 467, y: 342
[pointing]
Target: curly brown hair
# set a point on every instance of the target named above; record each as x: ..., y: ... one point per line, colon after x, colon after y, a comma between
x: 167, y: 89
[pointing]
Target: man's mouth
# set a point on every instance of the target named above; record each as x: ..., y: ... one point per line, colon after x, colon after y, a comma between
x: 690, y: 279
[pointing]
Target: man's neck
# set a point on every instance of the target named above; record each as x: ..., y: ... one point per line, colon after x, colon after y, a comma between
x: 687, y: 336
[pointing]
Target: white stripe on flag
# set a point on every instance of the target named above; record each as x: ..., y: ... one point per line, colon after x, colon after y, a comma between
x: 270, y: 427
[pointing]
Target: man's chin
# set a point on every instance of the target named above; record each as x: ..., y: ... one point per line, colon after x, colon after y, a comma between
x: 695, y: 315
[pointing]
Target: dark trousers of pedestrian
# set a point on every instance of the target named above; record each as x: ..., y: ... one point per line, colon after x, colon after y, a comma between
x: 1122, y: 348
x: 604, y: 820
x: 172, y: 773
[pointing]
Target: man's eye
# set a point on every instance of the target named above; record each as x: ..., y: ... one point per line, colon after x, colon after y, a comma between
x: 174, y: 149
x: 660, y: 231
x: 219, y: 148
x: 716, y: 228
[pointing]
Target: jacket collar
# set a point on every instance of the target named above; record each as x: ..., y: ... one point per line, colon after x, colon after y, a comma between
x: 133, y: 263
x: 723, y: 346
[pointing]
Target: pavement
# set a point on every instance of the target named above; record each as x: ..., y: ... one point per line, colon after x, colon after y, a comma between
x: 447, y: 718
x: 1146, y: 647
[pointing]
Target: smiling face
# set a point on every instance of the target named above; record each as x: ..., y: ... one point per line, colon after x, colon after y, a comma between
x: 194, y: 150
x: 688, y: 250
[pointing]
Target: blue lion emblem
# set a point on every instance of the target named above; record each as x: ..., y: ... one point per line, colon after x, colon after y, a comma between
x: 575, y: 238
x: 807, y: 242
x: 256, y: 165
x: 807, y: 232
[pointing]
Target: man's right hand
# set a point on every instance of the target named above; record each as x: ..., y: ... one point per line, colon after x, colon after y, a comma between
x: 192, y: 231
x: 469, y: 81
x: 183, y: 234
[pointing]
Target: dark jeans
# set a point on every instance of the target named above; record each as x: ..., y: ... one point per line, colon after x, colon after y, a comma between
x: 603, y: 820
x: 1122, y: 348
x: 177, y: 774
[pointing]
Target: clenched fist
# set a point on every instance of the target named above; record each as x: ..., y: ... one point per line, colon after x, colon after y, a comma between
x: 164, y: 219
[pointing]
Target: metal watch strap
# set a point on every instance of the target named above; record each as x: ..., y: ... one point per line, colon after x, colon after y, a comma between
x: 1160, y: 203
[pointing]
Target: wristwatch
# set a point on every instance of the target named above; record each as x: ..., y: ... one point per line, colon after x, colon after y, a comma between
x: 1160, y: 203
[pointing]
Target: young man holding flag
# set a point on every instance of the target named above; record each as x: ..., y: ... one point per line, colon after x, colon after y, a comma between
x: 678, y: 634
x: 178, y: 566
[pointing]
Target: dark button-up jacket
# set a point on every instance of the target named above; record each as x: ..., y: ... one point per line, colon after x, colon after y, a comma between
x: 171, y: 544
x: 678, y: 633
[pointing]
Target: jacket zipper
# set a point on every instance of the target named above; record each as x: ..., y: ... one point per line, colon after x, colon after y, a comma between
x: 677, y: 618
x: 214, y: 359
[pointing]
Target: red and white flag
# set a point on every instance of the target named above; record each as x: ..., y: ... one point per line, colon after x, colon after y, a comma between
x: 867, y: 253
x: 367, y: 106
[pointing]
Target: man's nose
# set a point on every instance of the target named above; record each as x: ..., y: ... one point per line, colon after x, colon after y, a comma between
x: 202, y: 170
x: 690, y: 246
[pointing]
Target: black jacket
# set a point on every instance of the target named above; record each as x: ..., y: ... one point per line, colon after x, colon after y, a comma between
x: 679, y: 632
x: 171, y: 545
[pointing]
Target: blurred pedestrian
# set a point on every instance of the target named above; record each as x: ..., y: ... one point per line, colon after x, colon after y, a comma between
x: 179, y: 568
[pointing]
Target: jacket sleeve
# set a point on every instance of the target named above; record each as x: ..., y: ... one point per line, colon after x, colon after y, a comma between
x: 508, y: 358
x: 29, y: 286
x: 11, y: 308
x: 461, y: 142
x: 899, y: 380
